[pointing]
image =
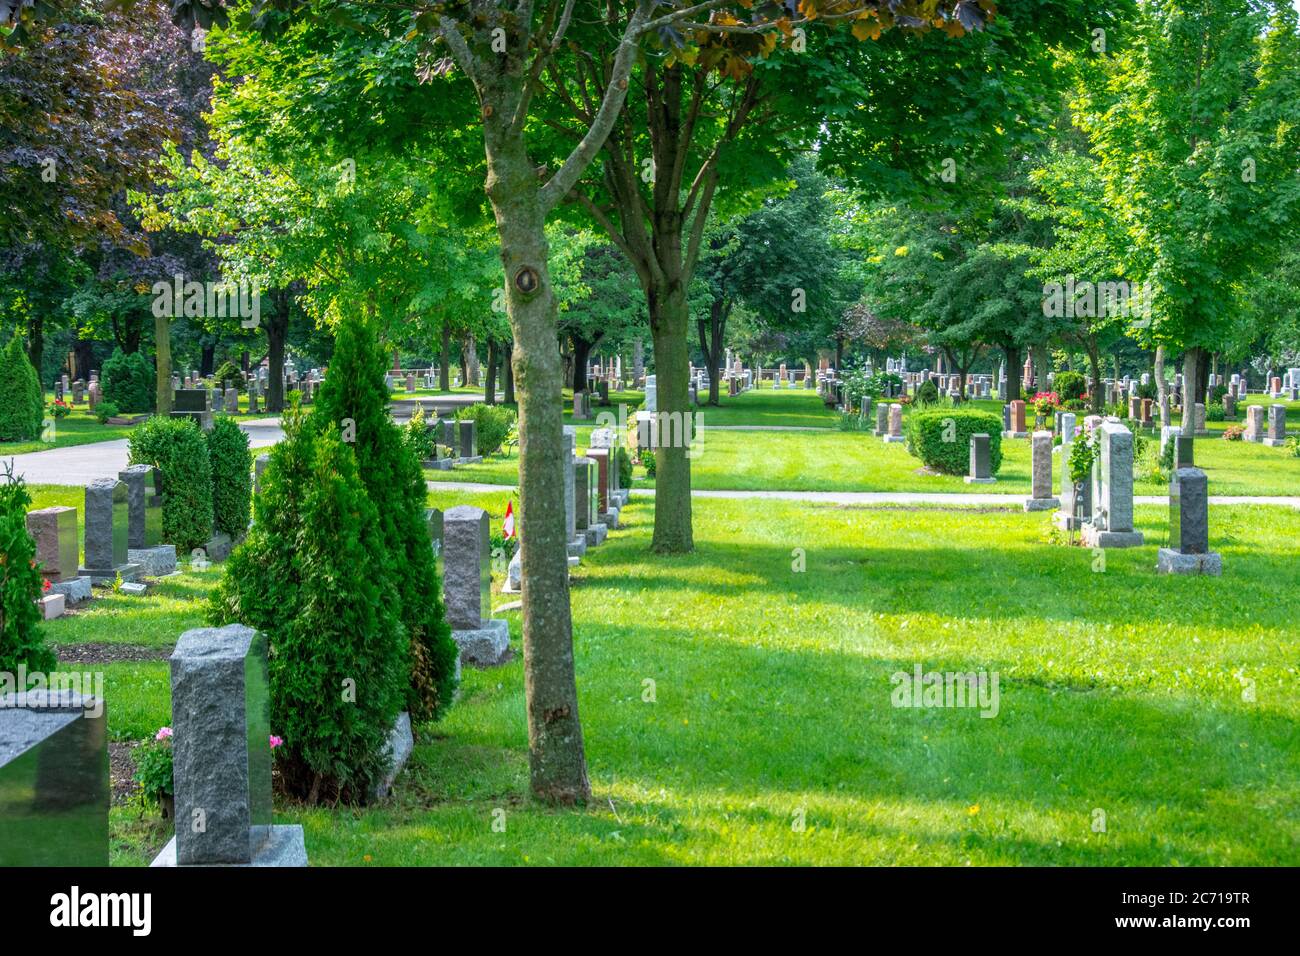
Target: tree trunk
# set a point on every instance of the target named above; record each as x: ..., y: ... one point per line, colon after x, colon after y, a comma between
x: 83, y: 357
x: 1094, y: 369
x: 669, y: 316
x: 444, y: 360
x: 557, y: 762
x: 581, y: 355
x: 1162, y: 391
x: 36, y: 344
x: 839, y: 353
x: 490, y: 375
x: 469, y: 362
x: 1192, y: 387
x: 207, y: 361
x: 1042, y: 365
x: 638, y: 360
x: 277, y: 331
x: 162, y: 344
x: 712, y: 332
x: 509, y: 368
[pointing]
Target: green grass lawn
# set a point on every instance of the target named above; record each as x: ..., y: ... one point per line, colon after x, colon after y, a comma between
x: 1120, y: 691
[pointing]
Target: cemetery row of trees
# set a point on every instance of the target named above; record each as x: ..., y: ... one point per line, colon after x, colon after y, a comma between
x: 788, y: 174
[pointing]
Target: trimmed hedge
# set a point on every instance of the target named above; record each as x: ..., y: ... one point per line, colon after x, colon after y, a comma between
x: 232, y: 482
x: 941, y: 438
x: 176, y: 447
x: 492, y: 424
x: 22, y: 402
x: 129, y: 382
x: 1070, y: 385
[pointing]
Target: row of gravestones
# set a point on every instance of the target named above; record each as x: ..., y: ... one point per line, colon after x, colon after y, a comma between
x: 461, y: 540
x: 459, y: 436
x: 123, y: 538
x: 54, y: 768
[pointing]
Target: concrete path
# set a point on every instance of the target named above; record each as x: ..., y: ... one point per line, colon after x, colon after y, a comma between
x: 82, y: 464
x: 954, y: 499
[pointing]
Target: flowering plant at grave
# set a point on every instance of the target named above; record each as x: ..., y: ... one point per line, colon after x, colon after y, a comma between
x: 154, y: 768
x: 60, y: 409
x: 1234, y: 432
x: 1045, y: 402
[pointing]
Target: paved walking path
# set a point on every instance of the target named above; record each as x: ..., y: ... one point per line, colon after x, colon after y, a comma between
x: 882, y: 497
x: 82, y: 464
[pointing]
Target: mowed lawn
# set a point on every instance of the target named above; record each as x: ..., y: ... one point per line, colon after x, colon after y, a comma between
x: 737, y: 702
x: 847, y: 461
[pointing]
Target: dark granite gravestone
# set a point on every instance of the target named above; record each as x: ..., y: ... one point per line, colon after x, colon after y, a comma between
x: 981, y: 462
x: 1189, y: 527
x: 54, y: 791
x: 1184, y: 451
x: 468, y: 429
x: 196, y: 404
x: 221, y: 753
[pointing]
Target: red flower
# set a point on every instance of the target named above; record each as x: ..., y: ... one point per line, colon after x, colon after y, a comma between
x: 45, y: 584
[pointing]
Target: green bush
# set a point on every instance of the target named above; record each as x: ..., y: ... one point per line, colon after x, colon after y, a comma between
x: 418, y: 436
x: 1216, y: 394
x: 394, y: 481
x: 104, y: 411
x: 232, y: 482
x: 129, y: 382
x: 311, y: 576
x: 21, y: 641
x: 941, y: 438
x: 648, y: 461
x: 1215, y: 413
x: 228, y: 371
x: 1075, y: 405
x: 22, y: 402
x: 492, y: 423
x: 176, y: 447
x: 624, y: 465
x: 1149, y: 390
x: 1070, y: 385
x: 927, y: 393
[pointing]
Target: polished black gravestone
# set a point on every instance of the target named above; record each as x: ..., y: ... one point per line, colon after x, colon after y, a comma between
x: 54, y: 791
x: 1189, y: 527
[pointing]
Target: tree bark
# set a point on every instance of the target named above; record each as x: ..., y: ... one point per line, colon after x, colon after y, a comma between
x: 162, y: 343
x: 509, y: 369
x: 1042, y: 365
x: 207, y: 360
x: 82, y: 358
x: 36, y: 344
x: 444, y: 360
x: 581, y: 356
x: 1192, y: 386
x: 277, y: 332
x: 712, y: 332
x: 490, y: 374
x: 669, y: 315
x: 1096, y: 403
x: 1162, y: 390
x: 469, y: 362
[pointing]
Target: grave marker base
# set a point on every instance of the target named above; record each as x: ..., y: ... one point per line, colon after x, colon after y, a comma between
x: 129, y: 572
x: 1169, y: 561
x: 284, y: 846
x: 484, y: 646
x: 979, y: 481
x: 1042, y: 504
x: 1096, y: 538
x: 596, y: 534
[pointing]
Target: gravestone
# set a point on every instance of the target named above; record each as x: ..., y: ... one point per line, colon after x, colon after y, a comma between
x: 1006, y: 419
x: 218, y: 400
x: 1198, y: 419
x: 195, y: 404
x: 1041, y: 498
x: 144, y: 522
x: 468, y: 433
x: 895, y: 424
x: 410, y: 382
x: 433, y: 519
x: 55, y: 533
x: 1229, y: 406
x: 577, y: 543
x: 1254, y: 424
x: 221, y: 755
x: 54, y: 784
x: 1112, y: 518
x: 579, y: 406
x: 1184, y: 450
x: 232, y: 401
x: 1276, y: 437
x: 107, y: 522
x: 1076, y: 507
x: 1017, y: 424
x: 467, y: 586
x: 981, y: 468
x: 606, y: 509
x: 586, y: 502
x: 882, y: 420
x: 1189, y: 532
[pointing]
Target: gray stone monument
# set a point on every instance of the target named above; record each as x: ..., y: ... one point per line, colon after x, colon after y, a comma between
x: 1189, y: 527
x: 467, y: 587
x: 144, y: 522
x: 107, y: 521
x: 1112, y: 518
x: 882, y: 420
x: 468, y: 434
x: 586, y: 502
x: 195, y: 404
x: 577, y: 542
x: 981, y: 467
x: 1254, y: 423
x: 221, y: 753
x: 1041, y: 498
x: 54, y: 791
x: 1276, y: 437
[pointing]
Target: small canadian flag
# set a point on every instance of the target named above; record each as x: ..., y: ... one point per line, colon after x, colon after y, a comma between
x: 508, y: 525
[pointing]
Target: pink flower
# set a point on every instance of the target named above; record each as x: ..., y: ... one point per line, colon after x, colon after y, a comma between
x: 275, y: 741
x: 164, y: 733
